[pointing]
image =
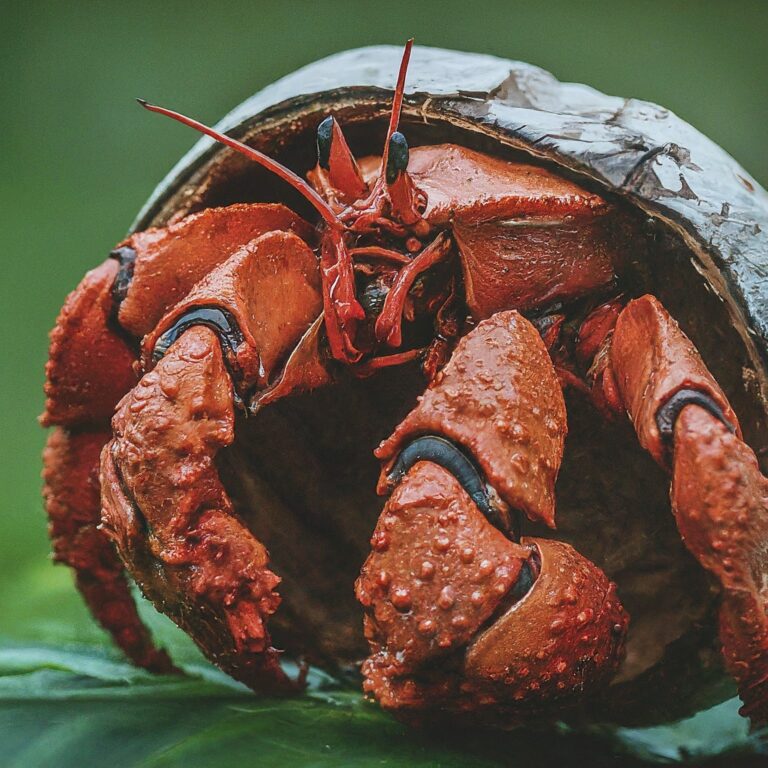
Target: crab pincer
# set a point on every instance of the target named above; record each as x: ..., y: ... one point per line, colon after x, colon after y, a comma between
x: 515, y: 623
x: 164, y: 505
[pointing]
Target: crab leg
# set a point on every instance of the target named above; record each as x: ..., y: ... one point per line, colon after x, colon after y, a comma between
x: 719, y: 495
x: 163, y: 503
x: 89, y: 369
x: 91, y: 366
x: 389, y: 322
x: 514, y: 624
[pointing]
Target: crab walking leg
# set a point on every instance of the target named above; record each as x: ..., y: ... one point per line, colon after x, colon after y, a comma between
x: 719, y: 496
x: 515, y: 625
x: 72, y: 500
x: 90, y: 368
x: 720, y: 499
x: 172, y: 521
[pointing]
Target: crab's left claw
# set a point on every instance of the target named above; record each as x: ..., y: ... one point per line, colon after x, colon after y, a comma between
x: 164, y: 504
x: 719, y: 495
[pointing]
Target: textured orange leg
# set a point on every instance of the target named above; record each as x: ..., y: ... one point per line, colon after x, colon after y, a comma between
x: 720, y: 500
x: 172, y: 520
x: 72, y: 500
x: 719, y: 496
x: 89, y: 369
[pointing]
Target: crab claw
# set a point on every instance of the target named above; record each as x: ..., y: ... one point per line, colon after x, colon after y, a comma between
x: 172, y: 521
x: 437, y: 572
x: 164, y: 504
x: 565, y: 634
x: 515, y: 625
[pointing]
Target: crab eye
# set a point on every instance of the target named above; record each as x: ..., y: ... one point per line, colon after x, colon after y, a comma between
x: 397, y: 156
x: 324, y: 139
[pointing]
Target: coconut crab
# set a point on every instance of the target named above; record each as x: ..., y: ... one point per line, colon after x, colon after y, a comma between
x: 505, y: 281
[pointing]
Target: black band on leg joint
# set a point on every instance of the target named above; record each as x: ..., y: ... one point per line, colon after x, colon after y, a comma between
x: 667, y: 414
x: 450, y: 457
x: 218, y: 320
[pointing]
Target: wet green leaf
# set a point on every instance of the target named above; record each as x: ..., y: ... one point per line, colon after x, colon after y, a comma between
x: 83, y: 706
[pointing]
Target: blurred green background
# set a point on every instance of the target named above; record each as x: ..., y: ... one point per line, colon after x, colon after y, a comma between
x: 78, y: 157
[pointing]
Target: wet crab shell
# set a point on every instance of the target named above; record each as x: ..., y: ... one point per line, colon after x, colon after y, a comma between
x: 305, y: 480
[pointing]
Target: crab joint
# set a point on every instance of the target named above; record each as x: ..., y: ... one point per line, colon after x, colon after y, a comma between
x: 219, y: 320
x: 450, y: 457
x: 667, y: 414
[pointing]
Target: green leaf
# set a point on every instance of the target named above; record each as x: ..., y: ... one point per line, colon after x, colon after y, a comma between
x: 82, y: 706
x: 67, y: 698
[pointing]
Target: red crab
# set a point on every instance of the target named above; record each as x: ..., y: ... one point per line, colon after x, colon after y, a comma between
x: 505, y: 281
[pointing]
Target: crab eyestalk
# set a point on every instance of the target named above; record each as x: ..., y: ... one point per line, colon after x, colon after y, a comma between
x: 404, y: 198
x: 403, y: 195
x: 397, y: 101
x: 393, y: 200
x: 336, y: 159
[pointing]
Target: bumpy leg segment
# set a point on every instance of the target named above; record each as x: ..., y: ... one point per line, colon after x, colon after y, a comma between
x: 513, y: 625
x: 164, y: 504
x: 172, y: 521
x: 74, y: 510
x: 719, y: 496
x: 89, y: 370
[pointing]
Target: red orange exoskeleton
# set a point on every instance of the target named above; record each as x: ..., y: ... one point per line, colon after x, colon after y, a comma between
x: 504, y: 281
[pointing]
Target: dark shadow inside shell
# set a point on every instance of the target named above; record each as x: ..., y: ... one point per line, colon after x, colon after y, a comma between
x: 302, y: 472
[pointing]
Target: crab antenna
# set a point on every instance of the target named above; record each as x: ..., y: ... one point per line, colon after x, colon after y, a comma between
x: 397, y: 101
x: 263, y: 160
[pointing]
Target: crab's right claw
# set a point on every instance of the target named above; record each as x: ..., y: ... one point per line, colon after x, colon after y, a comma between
x: 462, y: 619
